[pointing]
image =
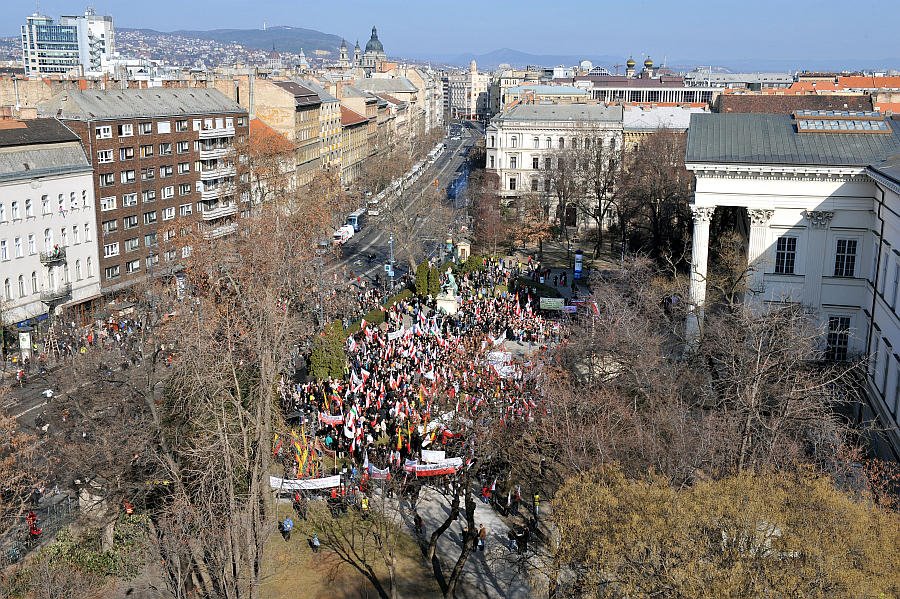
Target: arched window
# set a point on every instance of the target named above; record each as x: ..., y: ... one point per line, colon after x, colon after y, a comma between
x: 90, y: 267
x: 549, y: 143
x: 34, y: 282
x: 29, y: 209
x: 78, y: 270
x: 7, y: 289
x: 514, y: 141
x: 21, y: 286
x: 73, y: 203
x: 48, y: 240
x: 562, y: 143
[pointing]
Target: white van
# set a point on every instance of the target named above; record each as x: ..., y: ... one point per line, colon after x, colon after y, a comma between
x: 342, y: 235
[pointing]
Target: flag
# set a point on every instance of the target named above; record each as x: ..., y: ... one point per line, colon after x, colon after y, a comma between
x: 362, y: 324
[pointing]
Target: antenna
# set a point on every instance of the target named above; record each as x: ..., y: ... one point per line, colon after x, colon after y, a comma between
x: 265, y: 26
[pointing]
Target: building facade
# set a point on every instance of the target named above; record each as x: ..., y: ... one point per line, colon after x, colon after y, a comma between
x: 819, y: 191
x: 293, y: 111
x: 76, y: 44
x: 354, y: 147
x: 158, y: 155
x: 48, y: 234
x: 468, y: 94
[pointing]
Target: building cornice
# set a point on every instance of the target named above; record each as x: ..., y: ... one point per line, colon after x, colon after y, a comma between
x: 779, y: 172
x: 887, y: 182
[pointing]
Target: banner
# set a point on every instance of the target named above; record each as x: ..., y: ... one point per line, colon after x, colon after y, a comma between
x: 552, y: 303
x: 311, y: 484
x: 396, y: 334
x: 331, y: 420
x: 376, y: 474
x: 433, y: 456
x: 448, y: 466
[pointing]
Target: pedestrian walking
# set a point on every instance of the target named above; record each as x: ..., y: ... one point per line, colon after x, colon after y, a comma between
x: 537, y: 505
x: 482, y: 538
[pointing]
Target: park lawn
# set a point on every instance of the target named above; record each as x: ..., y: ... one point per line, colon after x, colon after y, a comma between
x: 292, y: 571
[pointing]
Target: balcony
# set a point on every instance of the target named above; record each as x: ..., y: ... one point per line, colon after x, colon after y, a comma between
x: 220, y: 211
x: 54, y: 256
x: 211, y: 192
x: 214, y: 132
x: 220, y: 231
x: 60, y: 294
x: 212, y: 153
x: 217, y: 172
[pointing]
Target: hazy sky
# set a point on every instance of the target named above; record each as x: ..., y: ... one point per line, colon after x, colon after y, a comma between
x: 679, y: 29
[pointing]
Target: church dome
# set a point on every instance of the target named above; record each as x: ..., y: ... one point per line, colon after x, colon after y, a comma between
x: 630, y: 63
x: 648, y: 63
x: 374, y: 45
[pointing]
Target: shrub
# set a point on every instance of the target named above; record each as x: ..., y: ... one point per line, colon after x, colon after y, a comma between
x: 422, y: 273
x: 328, y: 359
x: 538, y: 289
x: 434, y: 282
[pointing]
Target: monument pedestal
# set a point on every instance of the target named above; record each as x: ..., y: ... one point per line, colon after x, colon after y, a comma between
x: 447, y: 304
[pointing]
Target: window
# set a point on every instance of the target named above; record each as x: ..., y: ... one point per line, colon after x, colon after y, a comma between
x: 87, y: 232
x: 17, y: 243
x: 146, y: 151
x: 132, y: 266
x: 845, y: 258
x: 240, y: 121
x: 128, y: 176
x: 536, y: 142
x: 562, y: 143
x: 84, y: 200
x: 534, y: 185
x: 76, y: 238
x: 150, y: 217
x: 183, y: 147
x: 165, y: 149
x: 492, y: 142
x: 148, y: 174
x: 150, y: 240
x: 896, y: 285
x: 107, y: 203
x: 111, y: 272
x: 21, y: 286
x: 512, y: 183
x: 785, y: 255
x: 73, y: 201
x: 148, y: 196
x: 60, y: 203
x: 168, y: 192
x: 151, y: 260
x: 171, y: 255
x: 838, y: 338
x: 34, y: 278
x: 184, y: 189
x: 513, y: 162
x: 163, y: 127
x: 130, y: 222
x: 186, y: 251
x: 129, y: 199
x: 104, y: 132
x: 166, y: 171
x: 169, y: 213
x: 514, y: 141
x: 29, y: 209
x: 181, y: 126
x: 549, y: 143
x: 48, y: 239
x: 197, y: 124
x: 7, y: 290
x: 145, y: 128
x: 109, y: 226
x: 547, y: 183
x: 184, y: 167
x: 32, y: 244
x: 126, y: 153
x: 126, y: 130
x: 78, y: 270
x: 535, y: 162
x: 64, y: 237
x: 2, y: 212
x: 185, y: 209
x: 15, y: 211
x: 132, y: 244
x: 4, y: 251
x: 90, y: 267
x: 491, y: 162
x: 45, y: 205
x: 110, y: 250
x: 104, y: 156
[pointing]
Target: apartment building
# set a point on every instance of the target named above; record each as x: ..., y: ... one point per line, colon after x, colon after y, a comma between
x: 292, y: 110
x: 354, y: 149
x: 48, y: 249
x: 76, y: 44
x: 329, y: 123
x: 158, y: 155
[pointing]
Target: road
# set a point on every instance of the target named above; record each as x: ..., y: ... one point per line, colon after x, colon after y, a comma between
x: 373, y: 238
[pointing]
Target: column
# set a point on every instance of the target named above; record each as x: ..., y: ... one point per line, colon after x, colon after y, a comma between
x: 816, y: 254
x: 699, y: 254
x: 756, y: 253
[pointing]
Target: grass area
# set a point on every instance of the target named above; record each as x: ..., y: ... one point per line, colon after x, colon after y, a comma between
x: 291, y: 571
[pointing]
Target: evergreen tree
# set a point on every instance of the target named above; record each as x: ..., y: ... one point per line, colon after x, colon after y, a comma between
x: 422, y: 273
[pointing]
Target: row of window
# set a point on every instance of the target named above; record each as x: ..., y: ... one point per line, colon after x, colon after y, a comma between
x: 575, y: 142
x: 110, y: 250
x: 890, y: 272
x: 22, y: 245
x: 147, y: 174
x: 144, y: 151
x: 148, y: 196
x: 132, y: 266
x: 146, y: 128
x: 884, y: 369
x: 844, y: 257
x: 149, y: 218
x: 24, y: 291
x: 26, y: 209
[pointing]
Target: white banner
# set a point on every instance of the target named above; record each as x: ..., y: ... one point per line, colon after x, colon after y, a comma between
x: 396, y: 334
x: 287, y: 484
x: 433, y: 456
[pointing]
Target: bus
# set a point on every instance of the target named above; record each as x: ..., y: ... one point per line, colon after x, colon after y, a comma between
x: 357, y: 219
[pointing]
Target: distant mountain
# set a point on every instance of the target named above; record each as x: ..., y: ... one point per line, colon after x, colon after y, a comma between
x: 517, y: 58
x: 283, y: 38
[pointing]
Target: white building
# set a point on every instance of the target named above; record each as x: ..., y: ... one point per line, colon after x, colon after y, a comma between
x: 48, y: 239
x: 520, y: 141
x: 824, y: 227
x: 468, y: 94
x: 76, y: 44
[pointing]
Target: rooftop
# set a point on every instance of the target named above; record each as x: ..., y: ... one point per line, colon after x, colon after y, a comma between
x: 34, y: 131
x: 769, y: 104
x: 889, y: 168
x: 261, y: 133
x: 350, y: 118
x: 39, y: 148
x: 665, y: 117
x: 303, y: 96
x: 549, y: 90
x: 774, y: 139
x: 320, y: 91
x: 563, y: 112
x: 135, y: 103
x: 393, y: 85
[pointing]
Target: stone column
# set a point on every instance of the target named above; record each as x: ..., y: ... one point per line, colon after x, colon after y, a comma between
x: 699, y: 254
x: 756, y: 253
x: 816, y: 254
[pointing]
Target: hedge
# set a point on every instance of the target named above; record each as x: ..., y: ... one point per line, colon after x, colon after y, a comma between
x: 376, y: 316
x: 539, y: 289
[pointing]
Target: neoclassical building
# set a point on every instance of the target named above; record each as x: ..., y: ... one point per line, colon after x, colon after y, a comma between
x: 369, y: 61
x: 820, y: 191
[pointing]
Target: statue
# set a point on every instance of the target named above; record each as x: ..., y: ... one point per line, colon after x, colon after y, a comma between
x: 450, y: 288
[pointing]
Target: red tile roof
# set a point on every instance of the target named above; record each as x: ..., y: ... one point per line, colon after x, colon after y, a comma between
x: 350, y: 118
x: 262, y: 133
